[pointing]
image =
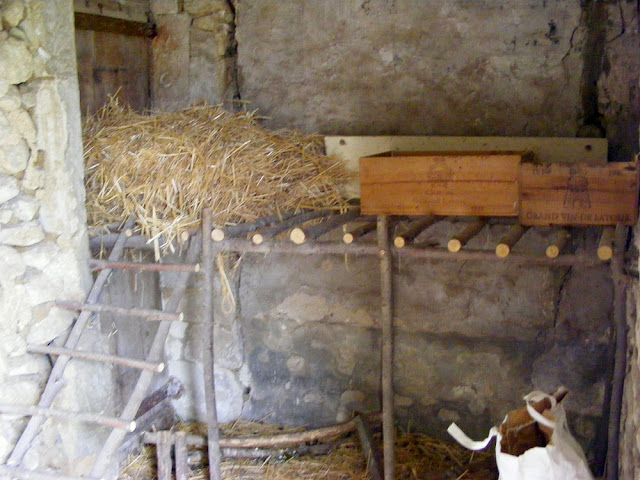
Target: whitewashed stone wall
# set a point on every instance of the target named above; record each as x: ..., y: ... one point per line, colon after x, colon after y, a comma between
x: 43, y: 244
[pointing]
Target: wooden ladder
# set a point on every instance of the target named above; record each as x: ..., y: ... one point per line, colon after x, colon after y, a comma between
x: 125, y: 423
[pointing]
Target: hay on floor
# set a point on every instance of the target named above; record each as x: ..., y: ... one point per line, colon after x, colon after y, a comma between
x: 418, y: 456
x: 166, y: 167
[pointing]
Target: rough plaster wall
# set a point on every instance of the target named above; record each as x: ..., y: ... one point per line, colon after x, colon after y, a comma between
x: 42, y: 222
x: 618, y: 98
x: 413, y: 67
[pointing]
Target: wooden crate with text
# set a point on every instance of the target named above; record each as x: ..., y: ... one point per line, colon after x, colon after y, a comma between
x: 579, y: 194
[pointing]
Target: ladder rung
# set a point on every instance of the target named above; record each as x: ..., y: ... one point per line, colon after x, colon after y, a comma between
x: 98, y: 357
x: 148, y: 314
x: 15, y: 472
x: 27, y: 410
x: 144, y: 267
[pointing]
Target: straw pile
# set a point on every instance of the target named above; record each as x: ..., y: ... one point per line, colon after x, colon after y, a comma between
x: 166, y: 167
x: 417, y: 457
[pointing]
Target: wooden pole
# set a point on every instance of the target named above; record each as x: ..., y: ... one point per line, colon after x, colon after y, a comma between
x: 386, y: 294
x: 144, y: 267
x: 280, y: 440
x: 213, y: 433
x: 97, y: 357
x: 67, y: 415
x: 148, y: 314
x: 414, y: 229
x: 470, y: 231
x: 559, y: 240
x: 55, y: 377
x: 605, y: 245
x: 512, y: 237
x: 620, y: 356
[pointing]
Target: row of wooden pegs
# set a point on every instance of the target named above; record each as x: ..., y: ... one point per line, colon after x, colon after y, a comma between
x: 268, y: 229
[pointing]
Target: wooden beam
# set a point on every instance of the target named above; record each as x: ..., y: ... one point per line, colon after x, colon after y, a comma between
x: 99, y: 23
x: 213, y: 433
x: 386, y: 307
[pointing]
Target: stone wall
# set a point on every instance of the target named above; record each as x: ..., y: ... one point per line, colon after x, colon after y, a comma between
x: 193, y: 56
x: 43, y: 244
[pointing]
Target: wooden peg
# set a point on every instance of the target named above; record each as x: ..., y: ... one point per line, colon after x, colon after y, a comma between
x: 559, y: 240
x: 605, y: 245
x: 470, y: 231
x: 512, y: 237
x: 217, y: 234
x: 352, y: 235
x: 413, y: 230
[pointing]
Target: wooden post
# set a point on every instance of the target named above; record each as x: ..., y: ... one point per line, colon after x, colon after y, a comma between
x: 182, y: 456
x: 386, y: 294
x: 559, y: 240
x: 620, y: 355
x: 213, y: 434
x: 605, y: 245
x: 512, y: 237
x: 413, y: 230
x: 470, y: 231
x: 163, y: 454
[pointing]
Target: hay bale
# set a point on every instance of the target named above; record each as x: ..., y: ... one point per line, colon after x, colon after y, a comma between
x: 166, y: 167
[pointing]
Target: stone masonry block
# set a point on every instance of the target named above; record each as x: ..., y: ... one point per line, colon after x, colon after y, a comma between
x: 12, y: 13
x: 16, y: 61
x: 22, y: 235
x: 14, y: 158
x: 8, y: 188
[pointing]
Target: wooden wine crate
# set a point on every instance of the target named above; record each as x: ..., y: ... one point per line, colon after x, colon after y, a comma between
x: 441, y: 183
x: 579, y: 194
